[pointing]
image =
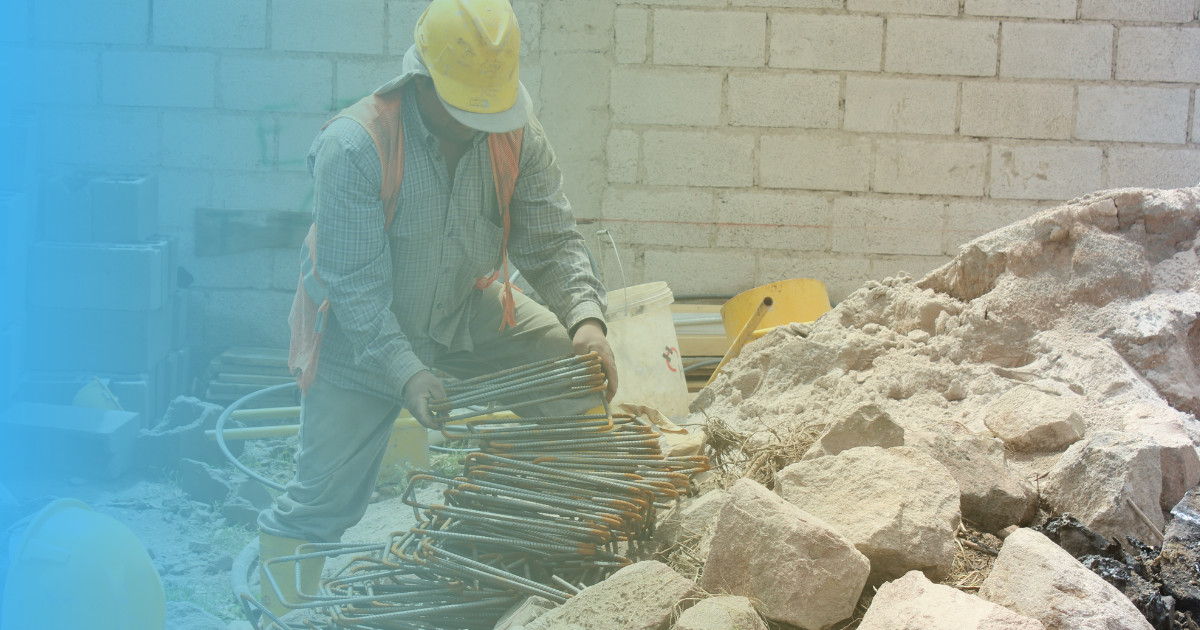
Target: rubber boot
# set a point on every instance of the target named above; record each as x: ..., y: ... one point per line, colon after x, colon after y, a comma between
x: 284, y: 573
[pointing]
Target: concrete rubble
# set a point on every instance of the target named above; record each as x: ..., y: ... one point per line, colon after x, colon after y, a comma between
x: 1037, y: 578
x: 723, y: 612
x: 1052, y: 359
x: 898, y: 506
x: 641, y: 596
x: 795, y: 566
x: 914, y: 603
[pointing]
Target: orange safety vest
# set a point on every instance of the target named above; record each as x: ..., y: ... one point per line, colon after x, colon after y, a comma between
x: 379, y: 114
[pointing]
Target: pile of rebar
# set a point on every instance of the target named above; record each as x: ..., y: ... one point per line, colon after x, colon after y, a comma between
x: 548, y: 506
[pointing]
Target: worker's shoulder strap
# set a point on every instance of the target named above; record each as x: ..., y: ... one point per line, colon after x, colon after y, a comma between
x: 380, y: 116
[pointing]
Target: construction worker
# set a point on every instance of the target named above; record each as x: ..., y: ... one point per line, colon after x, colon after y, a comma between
x: 424, y: 191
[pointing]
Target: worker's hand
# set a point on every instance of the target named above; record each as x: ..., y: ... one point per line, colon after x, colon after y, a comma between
x: 422, y: 388
x: 589, y: 337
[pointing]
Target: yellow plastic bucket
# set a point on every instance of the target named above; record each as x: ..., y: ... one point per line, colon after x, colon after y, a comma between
x: 407, y: 450
x: 796, y: 300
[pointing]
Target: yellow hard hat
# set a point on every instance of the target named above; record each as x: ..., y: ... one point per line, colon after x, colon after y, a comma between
x: 74, y: 568
x: 471, y: 49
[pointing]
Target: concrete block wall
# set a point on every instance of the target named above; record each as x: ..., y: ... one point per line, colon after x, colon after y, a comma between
x: 721, y: 143
x: 755, y: 140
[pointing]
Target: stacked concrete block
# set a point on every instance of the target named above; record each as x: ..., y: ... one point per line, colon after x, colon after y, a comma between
x: 104, y: 302
x: 17, y: 224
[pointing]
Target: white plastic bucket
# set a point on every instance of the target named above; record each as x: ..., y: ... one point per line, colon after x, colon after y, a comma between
x: 641, y: 332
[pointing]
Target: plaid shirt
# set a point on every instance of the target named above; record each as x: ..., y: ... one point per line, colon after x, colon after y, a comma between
x: 402, y: 298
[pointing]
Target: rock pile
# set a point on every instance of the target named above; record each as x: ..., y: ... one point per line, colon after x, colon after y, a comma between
x: 1052, y: 363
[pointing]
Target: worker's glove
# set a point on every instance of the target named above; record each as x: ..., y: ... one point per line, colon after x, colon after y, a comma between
x: 420, y: 390
x: 589, y: 337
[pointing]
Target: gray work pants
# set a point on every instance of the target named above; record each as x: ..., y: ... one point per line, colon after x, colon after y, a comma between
x: 344, y: 433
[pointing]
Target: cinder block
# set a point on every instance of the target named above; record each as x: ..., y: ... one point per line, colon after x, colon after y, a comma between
x: 98, y: 340
x: 969, y: 219
x: 295, y: 137
x: 915, y: 267
x: 842, y: 274
x: 212, y: 24
x: 920, y: 7
x: 90, y: 22
x: 1151, y: 53
x: 357, y: 78
x: 826, y: 42
x: 632, y: 25
x: 791, y: 4
x: 266, y: 191
x: 66, y: 77
x: 577, y: 25
x: 124, y: 207
x: 678, y: 3
x: 245, y: 317
x: 99, y: 276
x: 698, y: 158
x: 942, y: 46
x: 15, y: 23
x: 18, y: 135
x: 773, y: 220
x: 708, y: 272
x: 784, y: 100
x: 66, y: 210
x: 277, y: 84
x: 659, y: 216
x: 1196, y: 116
x: 180, y: 311
x: 815, y: 161
x: 1048, y: 9
x: 575, y: 82
x: 621, y: 153
x: 1050, y: 172
x: 180, y: 192
x: 285, y: 273
x: 1016, y: 110
x: 109, y: 138
x: 931, y: 167
x: 1032, y: 50
x: 402, y: 20
x: 17, y: 220
x: 243, y: 270
x: 158, y: 79
x: 709, y: 38
x: 348, y: 26
x: 901, y: 105
x: 218, y: 141
x: 1132, y: 114
x: 1145, y: 11
x: 888, y: 225
x: 666, y: 96
x: 62, y: 440
x: 12, y: 356
x: 1149, y: 167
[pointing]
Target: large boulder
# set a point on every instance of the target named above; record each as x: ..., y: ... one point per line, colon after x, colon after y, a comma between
x: 641, y: 596
x: 867, y: 426
x: 724, y: 612
x: 899, y: 506
x: 1096, y: 479
x: 914, y: 603
x: 1179, y: 462
x: 1035, y: 577
x: 795, y: 566
x: 1029, y: 419
x: 992, y: 495
x: 691, y: 523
